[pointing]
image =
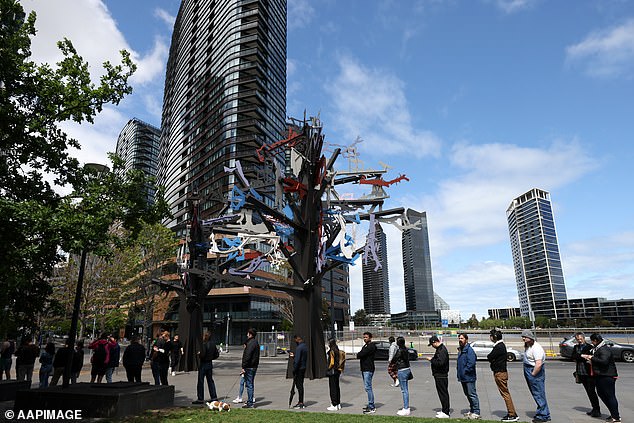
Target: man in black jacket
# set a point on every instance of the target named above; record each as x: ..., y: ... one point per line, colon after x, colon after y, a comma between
x: 250, y: 362
x: 133, y: 359
x: 205, y: 371
x: 497, y: 358
x: 440, y: 371
x: 60, y: 361
x: 583, y: 372
x: 366, y: 362
x: 299, y: 357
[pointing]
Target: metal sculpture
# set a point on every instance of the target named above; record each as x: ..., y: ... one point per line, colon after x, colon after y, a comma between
x: 311, y: 232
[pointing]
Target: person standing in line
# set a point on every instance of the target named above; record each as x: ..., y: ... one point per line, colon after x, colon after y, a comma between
x: 133, y: 359
x: 250, y: 362
x: 60, y: 361
x: 583, y: 372
x: 208, y: 354
x: 46, y: 360
x: 176, y: 352
x: 154, y: 364
x: 6, y: 353
x: 466, y: 366
x: 239, y: 399
x: 162, y: 356
x: 400, y: 360
x: 440, y: 371
x: 78, y: 362
x: 366, y: 362
x: 99, y: 359
x: 497, y: 358
x: 300, y: 356
x: 335, y: 368
x: 26, y: 355
x: 535, y: 374
x: 605, y: 375
x: 114, y: 357
x: 391, y: 369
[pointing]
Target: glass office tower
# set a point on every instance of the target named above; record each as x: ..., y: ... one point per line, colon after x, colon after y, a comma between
x: 538, y: 272
x: 376, y: 284
x: 419, y: 286
x: 225, y: 95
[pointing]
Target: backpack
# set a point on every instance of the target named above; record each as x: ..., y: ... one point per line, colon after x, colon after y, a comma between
x: 342, y: 360
x: 99, y: 356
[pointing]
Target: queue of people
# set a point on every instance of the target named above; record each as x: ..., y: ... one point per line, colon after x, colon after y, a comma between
x: 595, y: 369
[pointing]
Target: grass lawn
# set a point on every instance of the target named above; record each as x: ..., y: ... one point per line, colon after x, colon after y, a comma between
x: 266, y: 416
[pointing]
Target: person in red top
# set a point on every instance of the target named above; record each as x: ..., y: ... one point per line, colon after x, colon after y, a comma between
x: 100, y: 358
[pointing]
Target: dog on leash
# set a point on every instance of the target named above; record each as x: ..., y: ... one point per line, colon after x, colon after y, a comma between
x: 219, y: 406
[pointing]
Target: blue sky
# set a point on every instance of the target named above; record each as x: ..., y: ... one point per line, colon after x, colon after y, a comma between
x: 477, y: 102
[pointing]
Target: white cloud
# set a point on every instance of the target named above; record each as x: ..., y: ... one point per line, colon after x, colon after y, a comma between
x: 371, y: 103
x: 94, y: 33
x: 605, y: 53
x: 164, y: 15
x: 468, y: 210
x: 299, y: 14
x: 513, y: 6
x: 151, y: 67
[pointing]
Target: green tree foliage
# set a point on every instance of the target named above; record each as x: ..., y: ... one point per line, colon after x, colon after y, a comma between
x: 491, y: 323
x: 34, y: 220
x: 360, y: 318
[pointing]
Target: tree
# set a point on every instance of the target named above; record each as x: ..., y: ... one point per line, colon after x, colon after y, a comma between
x: 472, y: 322
x: 34, y: 99
x: 360, y: 318
x: 491, y: 323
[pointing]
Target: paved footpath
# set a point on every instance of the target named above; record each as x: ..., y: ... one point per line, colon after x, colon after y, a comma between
x: 567, y: 400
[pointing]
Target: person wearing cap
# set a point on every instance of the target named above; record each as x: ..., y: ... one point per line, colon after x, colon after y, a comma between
x: 535, y: 374
x: 497, y: 358
x: 440, y: 371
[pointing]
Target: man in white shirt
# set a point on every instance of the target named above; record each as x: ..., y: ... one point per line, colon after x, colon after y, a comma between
x: 535, y: 375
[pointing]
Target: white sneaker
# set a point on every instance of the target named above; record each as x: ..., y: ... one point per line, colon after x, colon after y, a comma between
x: 467, y: 414
x: 238, y: 400
x: 173, y: 373
x: 398, y: 382
x: 441, y: 415
x: 338, y: 406
x: 403, y: 412
x: 473, y: 416
x: 332, y: 408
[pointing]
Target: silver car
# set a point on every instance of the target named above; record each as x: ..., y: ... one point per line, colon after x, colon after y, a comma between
x: 483, y: 348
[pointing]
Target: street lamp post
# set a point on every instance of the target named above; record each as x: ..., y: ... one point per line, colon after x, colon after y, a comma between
x: 95, y: 170
x: 227, y: 332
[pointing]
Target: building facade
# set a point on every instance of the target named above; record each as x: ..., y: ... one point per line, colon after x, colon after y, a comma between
x: 419, y: 286
x: 225, y: 96
x: 336, y: 294
x: 376, y: 284
x: 138, y: 146
x: 618, y: 312
x: 504, y: 313
x: 536, y: 259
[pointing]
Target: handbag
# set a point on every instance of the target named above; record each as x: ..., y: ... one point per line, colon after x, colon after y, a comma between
x: 410, y: 376
x: 577, y: 377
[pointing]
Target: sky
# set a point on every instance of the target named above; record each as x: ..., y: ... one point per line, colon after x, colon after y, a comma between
x: 476, y: 102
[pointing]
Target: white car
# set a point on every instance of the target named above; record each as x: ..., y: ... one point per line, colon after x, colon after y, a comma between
x: 483, y: 348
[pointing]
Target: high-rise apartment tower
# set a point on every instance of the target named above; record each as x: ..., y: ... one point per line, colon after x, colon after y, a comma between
x: 225, y: 95
x: 419, y: 286
x: 376, y: 284
x: 538, y: 271
x: 138, y: 145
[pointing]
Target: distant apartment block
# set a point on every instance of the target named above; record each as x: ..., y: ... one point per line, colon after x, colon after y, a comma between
x: 138, y: 145
x: 538, y: 272
x: 504, y: 313
x: 376, y: 284
x: 419, y: 286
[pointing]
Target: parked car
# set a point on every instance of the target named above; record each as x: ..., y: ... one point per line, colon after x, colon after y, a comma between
x: 483, y: 348
x: 624, y: 352
x: 383, y: 349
